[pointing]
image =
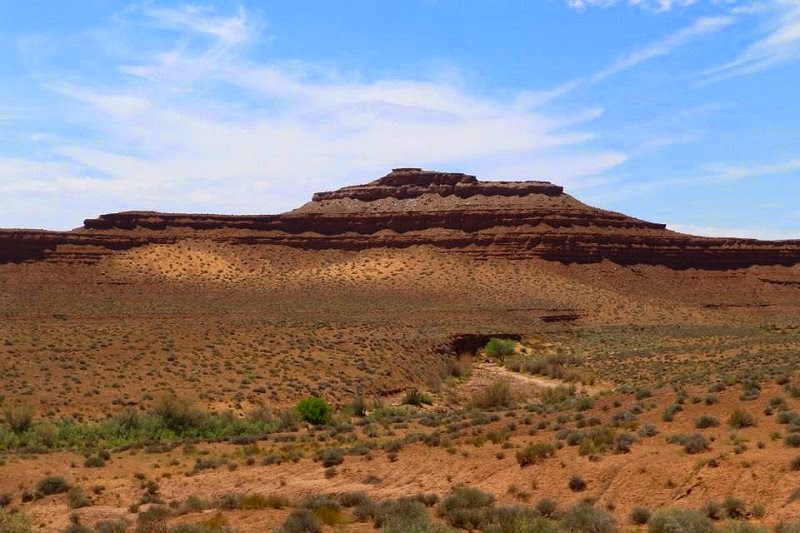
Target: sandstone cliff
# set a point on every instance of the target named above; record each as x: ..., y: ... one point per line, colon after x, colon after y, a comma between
x: 408, y: 207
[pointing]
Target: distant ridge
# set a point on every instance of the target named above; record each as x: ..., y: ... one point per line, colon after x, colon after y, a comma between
x: 410, y: 206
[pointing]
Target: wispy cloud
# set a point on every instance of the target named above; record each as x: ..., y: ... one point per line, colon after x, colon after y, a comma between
x: 655, y: 5
x: 698, y: 28
x: 714, y: 174
x: 206, y: 128
x: 778, y: 44
x: 746, y: 232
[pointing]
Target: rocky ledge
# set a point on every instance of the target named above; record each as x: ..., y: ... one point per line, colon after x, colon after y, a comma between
x: 410, y: 206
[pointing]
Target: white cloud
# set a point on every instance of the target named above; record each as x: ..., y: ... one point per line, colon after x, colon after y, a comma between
x: 203, y: 128
x: 715, y: 174
x: 232, y: 30
x: 778, y: 44
x: 655, y: 5
x: 700, y: 27
x: 741, y: 232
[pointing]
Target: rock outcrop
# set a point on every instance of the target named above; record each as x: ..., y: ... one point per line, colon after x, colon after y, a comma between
x: 410, y: 206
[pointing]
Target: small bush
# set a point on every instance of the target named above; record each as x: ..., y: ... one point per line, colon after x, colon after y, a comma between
x: 692, y: 444
x: 353, y: 499
x: 648, y: 430
x: 741, y: 419
x: 178, y: 414
x: 314, y: 410
x: 640, y: 515
x: 153, y: 520
x: 535, y: 453
x: 466, y: 507
x: 585, y: 518
x: 577, y: 483
x: 253, y: 502
x: 498, y: 394
x: 520, y: 520
x: 415, y: 397
x: 792, y: 440
x: 111, y: 526
x: 706, y: 421
x: 402, y: 515
x: 500, y: 348
x: 52, y: 485
x: 741, y: 527
x: 14, y: 522
x: 547, y: 508
x: 750, y: 391
x: 301, y: 521
x: 331, y: 457
x: 671, y: 520
x: 734, y: 508
x: 77, y: 499
x: 20, y: 418
x: 94, y: 461
x: 713, y: 510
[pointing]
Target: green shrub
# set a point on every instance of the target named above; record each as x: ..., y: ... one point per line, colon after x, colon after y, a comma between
x: 466, y: 507
x: 314, y: 410
x: 640, y: 515
x: 783, y: 527
x: 94, y: 461
x: 497, y: 394
x: 706, y: 421
x: 750, y: 390
x: 111, y: 526
x: 178, y: 414
x: 353, y: 499
x: 20, y: 418
x: 673, y: 520
x: 359, y: 406
x: 402, y: 515
x: 301, y: 521
x: 520, y: 520
x: 792, y: 440
x: 558, y: 395
x: 547, y: 507
x: 734, y: 508
x: 585, y: 518
x: 736, y: 526
x: 77, y: 499
x: 415, y: 397
x: 713, y: 510
x: 648, y: 430
x: 535, y: 453
x: 741, y: 419
x: 500, y: 348
x: 577, y: 483
x: 14, y: 522
x: 331, y: 457
x: 253, y: 502
x: 52, y: 485
x: 153, y: 520
x: 692, y: 444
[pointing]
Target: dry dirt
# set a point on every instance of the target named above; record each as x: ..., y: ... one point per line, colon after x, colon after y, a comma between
x: 234, y: 327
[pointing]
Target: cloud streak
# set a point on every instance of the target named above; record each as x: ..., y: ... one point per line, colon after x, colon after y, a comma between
x: 778, y: 44
x: 201, y: 127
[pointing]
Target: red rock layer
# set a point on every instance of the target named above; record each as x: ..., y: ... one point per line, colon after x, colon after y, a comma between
x: 408, y: 207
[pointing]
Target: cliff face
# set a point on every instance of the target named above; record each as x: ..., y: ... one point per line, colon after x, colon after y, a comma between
x: 408, y: 207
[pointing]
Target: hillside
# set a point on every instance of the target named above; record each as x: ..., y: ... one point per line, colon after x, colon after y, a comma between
x: 177, y: 347
x: 411, y: 207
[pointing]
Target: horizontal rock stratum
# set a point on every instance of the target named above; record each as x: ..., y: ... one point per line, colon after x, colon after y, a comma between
x: 410, y: 206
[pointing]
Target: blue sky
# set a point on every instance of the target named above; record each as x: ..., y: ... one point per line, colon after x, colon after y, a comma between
x: 678, y: 111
